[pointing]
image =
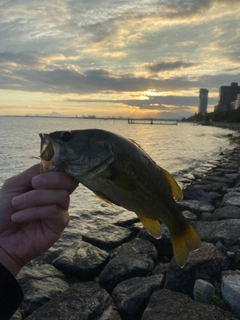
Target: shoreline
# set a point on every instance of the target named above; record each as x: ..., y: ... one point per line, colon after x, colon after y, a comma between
x: 119, y: 269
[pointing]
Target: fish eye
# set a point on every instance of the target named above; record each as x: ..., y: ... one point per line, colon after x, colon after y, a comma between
x: 66, y: 135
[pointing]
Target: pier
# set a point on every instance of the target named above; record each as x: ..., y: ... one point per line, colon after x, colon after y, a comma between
x: 152, y: 121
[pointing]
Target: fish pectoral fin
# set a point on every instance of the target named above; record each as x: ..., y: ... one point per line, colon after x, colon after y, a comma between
x: 174, y: 187
x: 183, y: 243
x: 152, y: 226
x: 102, y: 197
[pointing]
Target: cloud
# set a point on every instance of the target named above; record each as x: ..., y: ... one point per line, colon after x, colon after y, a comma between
x: 119, y: 49
x: 67, y: 80
x: 33, y: 59
x: 155, y: 102
x: 171, y: 65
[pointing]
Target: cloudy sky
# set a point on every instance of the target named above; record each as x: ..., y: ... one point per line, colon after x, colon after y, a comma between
x: 116, y: 57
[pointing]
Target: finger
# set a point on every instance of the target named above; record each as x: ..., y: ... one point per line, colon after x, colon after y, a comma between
x: 52, y: 213
x: 22, y: 181
x: 55, y: 180
x: 42, y: 197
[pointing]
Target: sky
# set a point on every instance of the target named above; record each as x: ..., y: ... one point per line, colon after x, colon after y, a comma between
x: 116, y: 58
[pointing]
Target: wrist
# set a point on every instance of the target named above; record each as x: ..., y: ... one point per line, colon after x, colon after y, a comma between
x: 10, y: 264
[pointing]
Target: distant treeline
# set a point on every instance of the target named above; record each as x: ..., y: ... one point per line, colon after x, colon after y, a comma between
x: 216, y: 116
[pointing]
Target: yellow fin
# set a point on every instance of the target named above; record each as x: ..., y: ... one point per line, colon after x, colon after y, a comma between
x: 137, y: 144
x: 152, y: 226
x: 174, y: 187
x: 183, y: 243
x: 101, y: 197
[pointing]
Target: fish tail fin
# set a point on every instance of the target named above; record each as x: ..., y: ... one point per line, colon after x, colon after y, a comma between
x: 183, y: 243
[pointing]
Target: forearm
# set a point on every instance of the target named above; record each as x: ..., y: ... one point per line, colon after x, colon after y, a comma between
x: 11, y: 294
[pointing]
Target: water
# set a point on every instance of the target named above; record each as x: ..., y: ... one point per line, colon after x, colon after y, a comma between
x: 179, y: 149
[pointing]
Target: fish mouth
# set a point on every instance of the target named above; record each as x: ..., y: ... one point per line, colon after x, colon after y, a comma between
x: 48, y: 151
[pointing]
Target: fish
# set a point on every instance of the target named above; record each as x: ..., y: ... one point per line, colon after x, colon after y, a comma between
x: 120, y: 172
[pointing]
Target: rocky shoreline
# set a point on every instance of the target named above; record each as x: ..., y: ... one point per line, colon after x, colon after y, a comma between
x: 118, y: 271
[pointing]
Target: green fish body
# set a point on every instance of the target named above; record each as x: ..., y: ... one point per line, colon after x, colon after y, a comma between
x: 118, y: 171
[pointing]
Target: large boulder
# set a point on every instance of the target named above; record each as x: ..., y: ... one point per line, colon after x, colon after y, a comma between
x: 39, y: 285
x: 133, y: 259
x: 226, y: 212
x: 82, y: 260
x: 107, y: 236
x: 82, y: 301
x: 168, y: 305
x: 195, y: 206
x: 192, y: 193
x: 131, y: 296
x: 207, y: 263
x: 214, y: 231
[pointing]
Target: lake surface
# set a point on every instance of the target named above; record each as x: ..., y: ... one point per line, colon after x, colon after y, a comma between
x: 177, y: 148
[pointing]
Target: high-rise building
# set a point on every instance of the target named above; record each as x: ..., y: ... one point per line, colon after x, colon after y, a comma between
x: 227, y: 94
x: 203, y: 101
x: 237, y: 104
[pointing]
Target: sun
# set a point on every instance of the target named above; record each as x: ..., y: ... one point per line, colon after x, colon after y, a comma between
x: 145, y: 95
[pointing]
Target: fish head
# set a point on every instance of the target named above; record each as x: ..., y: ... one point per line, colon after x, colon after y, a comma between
x: 77, y: 152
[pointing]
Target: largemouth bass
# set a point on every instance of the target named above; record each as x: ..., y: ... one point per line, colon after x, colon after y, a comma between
x: 118, y: 171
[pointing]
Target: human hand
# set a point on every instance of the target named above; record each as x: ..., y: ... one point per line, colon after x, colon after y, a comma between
x: 33, y: 214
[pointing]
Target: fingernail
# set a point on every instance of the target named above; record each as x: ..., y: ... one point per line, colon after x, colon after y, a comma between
x: 19, y: 201
x: 38, y: 182
x: 16, y: 217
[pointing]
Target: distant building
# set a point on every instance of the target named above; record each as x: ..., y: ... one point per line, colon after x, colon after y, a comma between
x: 237, y: 103
x: 203, y: 101
x: 228, y: 96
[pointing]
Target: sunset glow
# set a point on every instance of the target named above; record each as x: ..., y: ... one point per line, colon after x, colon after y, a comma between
x: 116, y: 58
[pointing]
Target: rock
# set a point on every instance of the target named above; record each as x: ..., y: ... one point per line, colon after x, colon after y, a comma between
x: 107, y: 237
x: 206, y: 216
x: 168, y: 305
x: 230, y: 287
x: 131, y: 296
x: 133, y: 259
x: 195, y: 206
x: 210, y: 187
x: 231, y: 176
x: 207, y: 263
x: 98, y: 218
x: 213, y: 231
x: 226, y: 212
x: 16, y: 316
x: 224, y: 180
x: 82, y: 301
x: 161, y: 268
x: 189, y: 176
x: 192, y: 193
x: 232, y: 201
x: 163, y: 245
x: 39, y: 285
x: 189, y: 215
x: 203, y: 291
x: 82, y: 260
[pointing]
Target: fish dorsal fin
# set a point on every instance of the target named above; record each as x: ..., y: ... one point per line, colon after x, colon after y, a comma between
x: 137, y: 144
x: 152, y: 226
x: 174, y: 187
x: 102, y: 197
